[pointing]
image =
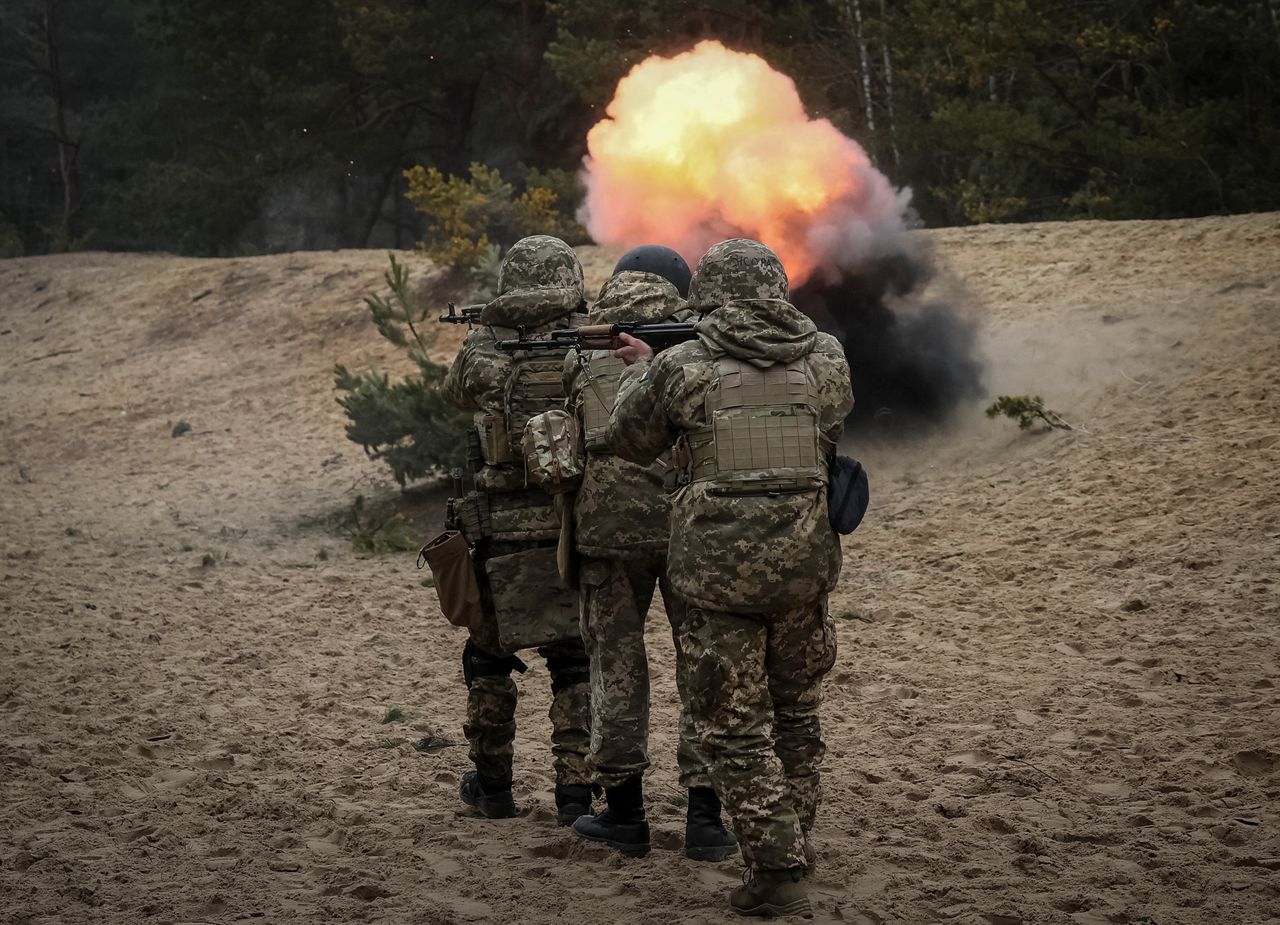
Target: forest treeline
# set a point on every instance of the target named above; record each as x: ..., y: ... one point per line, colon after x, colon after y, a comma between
x: 246, y: 126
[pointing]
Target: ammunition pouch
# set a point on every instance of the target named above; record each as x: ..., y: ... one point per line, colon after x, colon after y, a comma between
x: 523, y: 516
x: 532, y: 606
x: 477, y: 663
x: 455, y: 578
x: 494, y: 441
x: 470, y: 515
x: 475, y: 456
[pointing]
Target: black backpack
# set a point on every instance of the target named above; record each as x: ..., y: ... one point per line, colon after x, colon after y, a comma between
x: 848, y: 494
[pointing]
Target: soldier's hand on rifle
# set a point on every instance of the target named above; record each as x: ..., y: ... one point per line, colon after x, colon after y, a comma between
x: 633, y: 350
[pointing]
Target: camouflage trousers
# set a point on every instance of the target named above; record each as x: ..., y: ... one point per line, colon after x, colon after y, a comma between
x: 490, y: 726
x: 755, y: 684
x: 616, y: 595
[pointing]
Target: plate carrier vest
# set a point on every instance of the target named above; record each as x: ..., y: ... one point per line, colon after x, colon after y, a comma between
x: 603, y: 372
x: 762, y: 435
x: 535, y: 384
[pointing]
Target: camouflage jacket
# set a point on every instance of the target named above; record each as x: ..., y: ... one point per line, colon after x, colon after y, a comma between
x: 622, y: 510
x: 744, y: 553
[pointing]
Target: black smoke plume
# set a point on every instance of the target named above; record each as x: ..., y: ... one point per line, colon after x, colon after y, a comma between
x: 913, y: 361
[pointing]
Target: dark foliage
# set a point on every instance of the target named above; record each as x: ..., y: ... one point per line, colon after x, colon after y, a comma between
x: 231, y: 126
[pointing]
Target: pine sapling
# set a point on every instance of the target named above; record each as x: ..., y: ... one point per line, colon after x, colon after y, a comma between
x: 1026, y: 410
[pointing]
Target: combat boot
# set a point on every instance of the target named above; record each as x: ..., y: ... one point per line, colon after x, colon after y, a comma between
x: 572, y: 801
x: 705, y: 837
x: 622, y: 825
x: 772, y: 892
x: 491, y: 797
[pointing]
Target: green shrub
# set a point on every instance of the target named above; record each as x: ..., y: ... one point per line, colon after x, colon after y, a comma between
x: 407, y: 424
x: 1026, y: 410
x: 470, y: 216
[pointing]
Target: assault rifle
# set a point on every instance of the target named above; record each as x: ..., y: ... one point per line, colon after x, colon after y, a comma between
x: 470, y: 315
x: 658, y: 335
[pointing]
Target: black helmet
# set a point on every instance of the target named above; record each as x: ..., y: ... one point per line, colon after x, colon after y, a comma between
x: 660, y: 261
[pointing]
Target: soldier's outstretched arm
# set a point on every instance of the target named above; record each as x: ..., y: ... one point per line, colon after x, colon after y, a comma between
x: 639, y: 428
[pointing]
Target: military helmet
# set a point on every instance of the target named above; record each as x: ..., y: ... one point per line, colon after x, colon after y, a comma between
x: 737, y: 269
x: 540, y: 262
x: 659, y: 260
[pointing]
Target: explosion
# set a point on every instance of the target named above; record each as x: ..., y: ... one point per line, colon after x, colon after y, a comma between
x: 714, y: 144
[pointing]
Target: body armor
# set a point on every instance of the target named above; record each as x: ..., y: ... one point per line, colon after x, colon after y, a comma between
x: 762, y: 434
x: 602, y: 371
x: 534, y: 385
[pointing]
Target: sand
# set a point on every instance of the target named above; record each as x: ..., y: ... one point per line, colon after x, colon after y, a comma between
x: 1055, y: 701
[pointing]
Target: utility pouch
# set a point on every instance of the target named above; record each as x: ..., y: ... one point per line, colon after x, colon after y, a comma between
x: 455, y: 578
x: 532, y: 605
x: 475, y: 455
x: 553, y: 456
x: 522, y: 517
x: 848, y: 494
x: 471, y: 514
x: 495, y: 446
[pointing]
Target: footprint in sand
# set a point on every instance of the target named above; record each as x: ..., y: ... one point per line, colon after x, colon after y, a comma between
x: 968, y: 760
x: 1256, y: 763
x: 175, y: 779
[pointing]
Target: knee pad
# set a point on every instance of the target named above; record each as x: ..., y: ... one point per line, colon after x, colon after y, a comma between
x: 568, y: 670
x: 476, y: 663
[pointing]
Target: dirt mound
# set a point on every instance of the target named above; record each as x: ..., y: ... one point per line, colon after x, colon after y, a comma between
x: 1056, y: 693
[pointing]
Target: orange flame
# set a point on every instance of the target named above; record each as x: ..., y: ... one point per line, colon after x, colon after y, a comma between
x: 713, y: 144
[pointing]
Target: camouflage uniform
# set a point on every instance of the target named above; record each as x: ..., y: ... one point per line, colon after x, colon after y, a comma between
x: 622, y: 525
x: 755, y: 567
x: 540, y: 288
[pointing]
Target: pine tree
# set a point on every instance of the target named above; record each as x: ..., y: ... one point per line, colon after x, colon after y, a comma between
x: 406, y: 424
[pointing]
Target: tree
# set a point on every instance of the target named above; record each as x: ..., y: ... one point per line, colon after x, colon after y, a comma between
x: 407, y: 424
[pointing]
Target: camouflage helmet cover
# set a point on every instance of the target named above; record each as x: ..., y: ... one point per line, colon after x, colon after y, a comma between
x: 540, y: 262
x: 737, y: 269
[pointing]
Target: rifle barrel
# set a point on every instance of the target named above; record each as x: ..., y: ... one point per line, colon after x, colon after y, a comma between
x: 658, y: 335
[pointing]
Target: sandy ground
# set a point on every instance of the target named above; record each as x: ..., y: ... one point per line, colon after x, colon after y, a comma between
x: 1056, y: 698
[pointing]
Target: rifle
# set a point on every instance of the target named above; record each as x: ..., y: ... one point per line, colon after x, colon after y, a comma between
x: 470, y: 315
x: 658, y: 335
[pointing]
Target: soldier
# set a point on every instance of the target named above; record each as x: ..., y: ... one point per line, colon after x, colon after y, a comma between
x: 513, y: 530
x: 755, y: 407
x: 621, y: 530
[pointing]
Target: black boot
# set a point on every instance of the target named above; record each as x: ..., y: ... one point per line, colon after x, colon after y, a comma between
x: 705, y: 837
x: 572, y: 801
x: 622, y: 825
x: 492, y: 797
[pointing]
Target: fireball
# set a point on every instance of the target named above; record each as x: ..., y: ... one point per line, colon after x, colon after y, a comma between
x: 713, y: 144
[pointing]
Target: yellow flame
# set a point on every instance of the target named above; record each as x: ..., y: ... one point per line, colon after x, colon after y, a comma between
x: 715, y: 143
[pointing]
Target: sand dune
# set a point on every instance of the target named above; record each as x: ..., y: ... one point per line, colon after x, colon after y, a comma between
x: 1056, y: 697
